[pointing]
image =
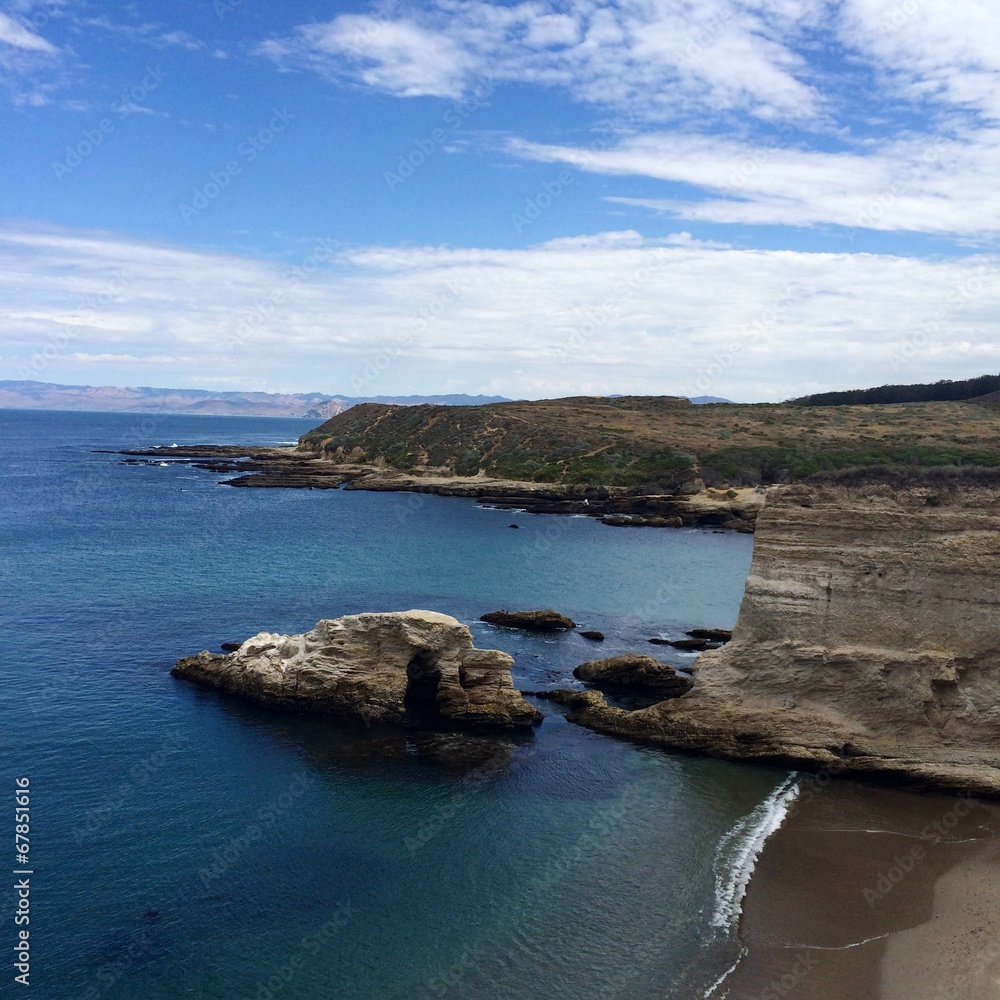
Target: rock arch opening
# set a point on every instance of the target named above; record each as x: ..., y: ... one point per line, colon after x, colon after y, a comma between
x: 423, y: 680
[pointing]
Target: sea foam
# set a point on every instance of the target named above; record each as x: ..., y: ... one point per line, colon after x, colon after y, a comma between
x: 737, y: 853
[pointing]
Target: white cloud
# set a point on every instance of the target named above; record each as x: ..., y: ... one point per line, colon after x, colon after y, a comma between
x: 547, y: 30
x: 149, y: 359
x: 26, y: 60
x: 642, y: 57
x: 918, y: 184
x: 398, y: 56
x: 857, y: 113
x: 15, y: 34
x: 182, y: 40
x: 934, y: 50
x: 605, y: 313
x: 670, y: 58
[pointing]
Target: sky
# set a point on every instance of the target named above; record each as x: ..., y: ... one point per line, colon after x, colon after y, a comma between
x: 752, y: 199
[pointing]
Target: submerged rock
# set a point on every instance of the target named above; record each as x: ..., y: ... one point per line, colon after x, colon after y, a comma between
x: 593, y: 635
x: 385, y: 667
x: 531, y: 621
x: 572, y: 698
x: 634, y: 672
x: 641, y: 521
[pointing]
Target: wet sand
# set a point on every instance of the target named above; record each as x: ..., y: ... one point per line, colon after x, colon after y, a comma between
x: 869, y: 892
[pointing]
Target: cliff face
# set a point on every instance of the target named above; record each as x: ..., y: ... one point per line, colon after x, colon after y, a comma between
x: 868, y: 639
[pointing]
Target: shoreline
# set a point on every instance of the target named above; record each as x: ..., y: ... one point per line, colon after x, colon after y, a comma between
x: 866, y: 891
x: 617, y: 506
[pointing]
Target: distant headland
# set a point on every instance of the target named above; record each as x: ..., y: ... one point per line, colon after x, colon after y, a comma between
x: 634, y: 461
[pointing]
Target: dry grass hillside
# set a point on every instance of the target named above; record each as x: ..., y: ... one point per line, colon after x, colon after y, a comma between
x: 658, y: 442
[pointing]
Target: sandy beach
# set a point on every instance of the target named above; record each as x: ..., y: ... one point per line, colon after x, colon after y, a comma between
x: 871, y: 892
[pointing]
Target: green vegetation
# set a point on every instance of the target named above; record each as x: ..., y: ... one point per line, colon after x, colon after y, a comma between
x: 942, y: 391
x: 658, y: 444
x: 751, y: 466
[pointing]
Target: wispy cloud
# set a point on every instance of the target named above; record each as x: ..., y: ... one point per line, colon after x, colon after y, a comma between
x: 920, y: 184
x: 152, y: 33
x: 773, y: 58
x: 604, y: 313
x: 17, y: 35
x: 653, y: 60
x: 149, y: 359
x: 930, y: 51
x: 26, y: 60
x: 34, y: 71
x: 853, y: 113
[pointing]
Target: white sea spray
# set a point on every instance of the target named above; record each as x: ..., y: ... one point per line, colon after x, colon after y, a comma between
x: 737, y: 853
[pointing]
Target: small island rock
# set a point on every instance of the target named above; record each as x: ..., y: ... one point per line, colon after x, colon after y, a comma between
x: 531, y: 621
x: 375, y: 668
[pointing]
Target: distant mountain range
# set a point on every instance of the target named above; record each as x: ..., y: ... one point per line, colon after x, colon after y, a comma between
x: 144, y: 399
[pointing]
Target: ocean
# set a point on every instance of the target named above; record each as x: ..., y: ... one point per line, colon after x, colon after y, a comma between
x: 183, y: 844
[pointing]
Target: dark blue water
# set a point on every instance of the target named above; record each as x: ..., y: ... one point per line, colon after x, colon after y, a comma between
x: 186, y: 845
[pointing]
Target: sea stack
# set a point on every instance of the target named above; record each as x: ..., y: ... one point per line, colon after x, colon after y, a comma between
x: 867, y: 641
x: 385, y: 667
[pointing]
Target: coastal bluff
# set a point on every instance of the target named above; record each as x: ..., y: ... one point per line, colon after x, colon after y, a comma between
x: 868, y: 640
x: 376, y: 668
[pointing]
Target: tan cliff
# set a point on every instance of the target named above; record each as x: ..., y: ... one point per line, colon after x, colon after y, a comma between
x: 868, y: 640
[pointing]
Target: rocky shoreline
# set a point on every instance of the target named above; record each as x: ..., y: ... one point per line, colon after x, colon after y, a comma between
x: 865, y: 644
x: 289, y: 468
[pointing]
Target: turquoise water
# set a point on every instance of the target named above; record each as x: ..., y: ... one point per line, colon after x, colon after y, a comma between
x: 186, y: 845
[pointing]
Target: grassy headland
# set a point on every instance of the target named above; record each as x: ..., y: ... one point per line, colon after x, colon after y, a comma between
x: 659, y: 443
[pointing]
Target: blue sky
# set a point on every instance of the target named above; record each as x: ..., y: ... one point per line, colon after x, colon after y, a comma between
x: 745, y: 198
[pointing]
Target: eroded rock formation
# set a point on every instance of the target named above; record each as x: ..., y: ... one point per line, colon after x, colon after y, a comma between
x: 868, y: 640
x: 373, y: 667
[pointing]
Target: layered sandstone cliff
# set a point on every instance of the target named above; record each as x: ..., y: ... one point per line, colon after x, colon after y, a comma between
x: 386, y: 667
x: 868, y: 640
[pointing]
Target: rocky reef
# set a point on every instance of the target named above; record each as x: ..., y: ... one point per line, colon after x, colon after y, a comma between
x: 867, y: 641
x: 385, y: 667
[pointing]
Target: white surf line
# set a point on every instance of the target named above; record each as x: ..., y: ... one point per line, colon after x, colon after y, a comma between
x: 737, y: 853
x: 710, y: 992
